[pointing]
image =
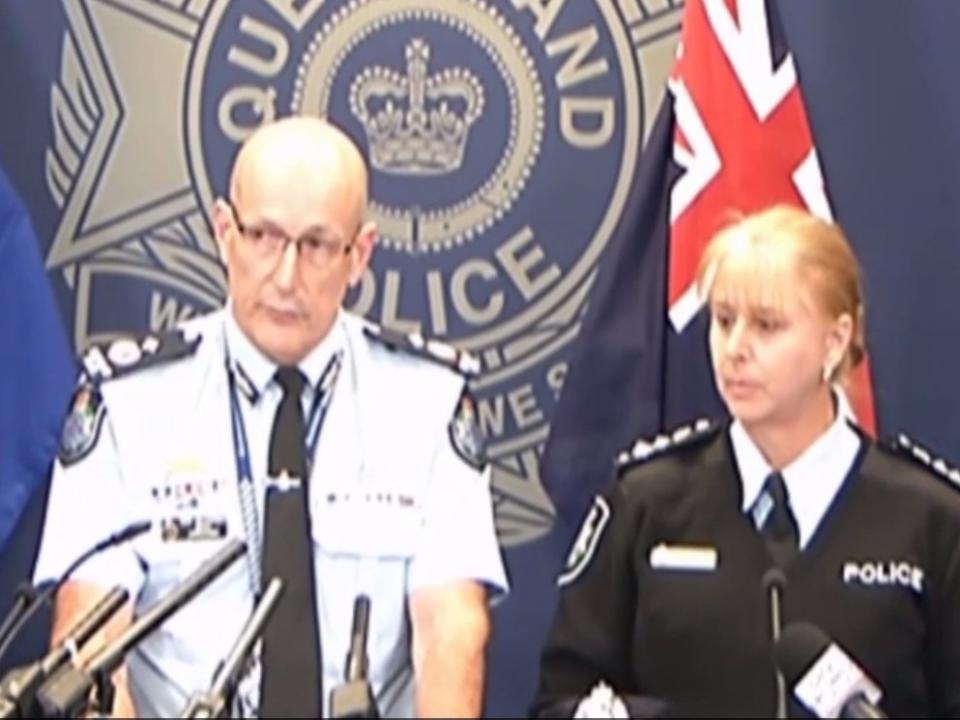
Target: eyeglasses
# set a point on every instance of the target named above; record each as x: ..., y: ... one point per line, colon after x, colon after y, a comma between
x: 268, y: 242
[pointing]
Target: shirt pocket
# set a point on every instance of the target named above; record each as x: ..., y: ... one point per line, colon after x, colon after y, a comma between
x: 368, y: 523
x: 365, y: 544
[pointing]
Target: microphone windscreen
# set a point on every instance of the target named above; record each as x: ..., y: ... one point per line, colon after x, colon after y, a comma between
x: 799, y: 646
x: 774, y: 578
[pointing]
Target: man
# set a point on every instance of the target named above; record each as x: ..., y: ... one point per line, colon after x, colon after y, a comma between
x: 211, y: 432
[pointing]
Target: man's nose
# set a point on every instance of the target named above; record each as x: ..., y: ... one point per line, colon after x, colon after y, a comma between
x: 285, y: 273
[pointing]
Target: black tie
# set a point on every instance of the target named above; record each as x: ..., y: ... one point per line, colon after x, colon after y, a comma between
x: 780, y: 530
x: 291, y: 685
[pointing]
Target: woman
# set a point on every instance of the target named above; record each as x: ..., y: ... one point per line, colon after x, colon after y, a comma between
x: 664, y: 594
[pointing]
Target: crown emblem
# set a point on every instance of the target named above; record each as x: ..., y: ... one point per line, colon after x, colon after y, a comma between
x: 416, y: 124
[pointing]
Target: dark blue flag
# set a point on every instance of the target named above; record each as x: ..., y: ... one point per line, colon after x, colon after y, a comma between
x: 36, y: 367
x: 613, y: 390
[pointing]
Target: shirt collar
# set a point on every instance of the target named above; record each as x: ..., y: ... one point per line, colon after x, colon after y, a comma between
x: 254, y: 370
x: 813, y: 479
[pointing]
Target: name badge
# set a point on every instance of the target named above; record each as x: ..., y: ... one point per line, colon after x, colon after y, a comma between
x: 692, y: 558
x: 196, y: 527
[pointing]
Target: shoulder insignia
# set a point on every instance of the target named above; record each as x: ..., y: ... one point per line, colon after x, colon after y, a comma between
x: 644, y: 449
x: 465, y: 433
x: 584, y: 547
x: 903, y: 446
x: 126, y: 355
x: 416, y: 344
x: 81, y: 430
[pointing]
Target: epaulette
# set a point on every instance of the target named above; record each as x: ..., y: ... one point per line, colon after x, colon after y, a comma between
x: 81, y: 429
x: 903, y: 446
x: 129, y: 354
x: 686, y: 435
x: 416, y: 344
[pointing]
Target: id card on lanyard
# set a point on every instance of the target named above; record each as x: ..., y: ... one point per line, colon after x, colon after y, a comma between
x: 241, y: 448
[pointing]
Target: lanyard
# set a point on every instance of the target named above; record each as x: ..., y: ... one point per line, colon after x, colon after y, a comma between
x: 241, y: 449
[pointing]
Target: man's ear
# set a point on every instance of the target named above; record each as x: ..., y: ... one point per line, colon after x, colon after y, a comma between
x: 362, y: 250
x: 222, y: 225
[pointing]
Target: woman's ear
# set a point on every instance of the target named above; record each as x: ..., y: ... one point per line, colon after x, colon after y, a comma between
x: 839, y: 337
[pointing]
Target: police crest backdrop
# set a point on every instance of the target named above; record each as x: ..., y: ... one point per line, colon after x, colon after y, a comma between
x: 477, y: 116
x: 482, y: 119
x: 505, y: 137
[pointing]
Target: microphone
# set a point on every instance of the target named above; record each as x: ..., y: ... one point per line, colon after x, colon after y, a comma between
x: 357, y: 655
x: 216, y: 702
x: 66, y: 694
x: 354, y: 699
x: 29, y: 601
x: 824, y: 678
x: 19, y: 687
x: 774, y: 582
x: 607, y: 706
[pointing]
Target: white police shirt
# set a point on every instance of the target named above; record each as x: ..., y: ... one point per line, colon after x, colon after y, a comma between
x: 813, y: 479
x: 394, y: 508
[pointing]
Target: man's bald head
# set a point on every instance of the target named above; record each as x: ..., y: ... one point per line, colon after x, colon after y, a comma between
x: 292, y: 235
x: 303, y: 150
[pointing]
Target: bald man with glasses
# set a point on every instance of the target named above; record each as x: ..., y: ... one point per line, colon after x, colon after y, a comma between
x: 347, y: 457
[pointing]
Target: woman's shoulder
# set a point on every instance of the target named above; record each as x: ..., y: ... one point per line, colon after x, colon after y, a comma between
x: 669, y: 457
x: 904, y: 465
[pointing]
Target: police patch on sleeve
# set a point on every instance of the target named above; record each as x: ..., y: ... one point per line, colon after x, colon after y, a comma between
x: 81, y: 430
x: 586, y: 543
x: 465, y: 434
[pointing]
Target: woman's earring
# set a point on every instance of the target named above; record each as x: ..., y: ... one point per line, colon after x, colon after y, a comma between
x: 827, y: 372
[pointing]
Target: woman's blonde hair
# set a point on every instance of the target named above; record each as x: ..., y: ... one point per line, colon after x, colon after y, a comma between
x: 820, y: 252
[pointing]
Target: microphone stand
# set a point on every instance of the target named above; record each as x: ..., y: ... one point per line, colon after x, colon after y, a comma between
x: 29, y: 599
x: 773, y: 582
x: 354, y: 698
x: 25, y: 596
x: 215, y: 702
x: 67, y: 693
x: 19, y: 687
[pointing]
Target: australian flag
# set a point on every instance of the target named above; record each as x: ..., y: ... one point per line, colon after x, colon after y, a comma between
x: 36, y: 366
x: 732, y: 137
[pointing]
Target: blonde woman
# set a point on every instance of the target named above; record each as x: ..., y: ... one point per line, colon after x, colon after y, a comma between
x: 663, y: 596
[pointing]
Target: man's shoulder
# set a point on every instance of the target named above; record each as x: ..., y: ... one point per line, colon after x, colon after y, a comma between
x: 414, y: 350
x: 132, y: 374
x: 422, y: 381
x: 141, y: 356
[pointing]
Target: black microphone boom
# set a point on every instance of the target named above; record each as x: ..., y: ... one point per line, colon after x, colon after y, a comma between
x: 354, y: 699
x: 774, y: 582
x: 357, y: 657
x: 19, y: 687
x: 215, y: 702
x: 29, y: 601
x: 66, y: 694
